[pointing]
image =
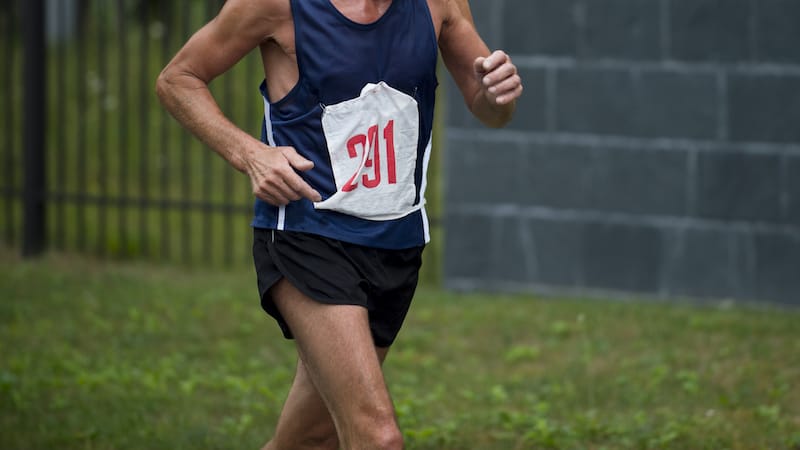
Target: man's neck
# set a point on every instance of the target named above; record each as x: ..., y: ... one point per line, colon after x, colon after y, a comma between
x: 362, y: 11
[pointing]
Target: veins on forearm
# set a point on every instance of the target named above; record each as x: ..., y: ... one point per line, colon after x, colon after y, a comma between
x: 190, y: 101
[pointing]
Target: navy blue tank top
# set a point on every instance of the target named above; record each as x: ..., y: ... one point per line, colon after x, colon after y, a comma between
x: 339, y: 61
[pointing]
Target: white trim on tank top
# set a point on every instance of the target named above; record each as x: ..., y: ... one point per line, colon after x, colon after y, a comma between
x: 426, y: 159
x: 271, y: 141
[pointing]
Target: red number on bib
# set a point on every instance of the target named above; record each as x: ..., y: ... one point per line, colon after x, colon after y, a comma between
x: 370, y: 143
x: 388, y: 135
x: 353, y: 153
x: 373, y: 159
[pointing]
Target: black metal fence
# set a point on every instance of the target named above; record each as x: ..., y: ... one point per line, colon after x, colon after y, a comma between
x: 116, y: 176
x: 121, y: 178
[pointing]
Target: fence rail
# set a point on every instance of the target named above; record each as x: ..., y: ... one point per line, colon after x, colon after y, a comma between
x: 122, y: 179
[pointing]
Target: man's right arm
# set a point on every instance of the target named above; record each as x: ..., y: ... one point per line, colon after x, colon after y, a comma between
x: 182, y: 87
x: 488, y: 81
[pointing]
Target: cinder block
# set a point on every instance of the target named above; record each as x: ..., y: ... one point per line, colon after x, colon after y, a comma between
x: 710, y: 30
x: 466, y: 246
x: 678, y: 105
x: 792, y: 180
x: 778, y: 25
x: 629, y: 103
x: 622, y: 29
x: 557, y: 176
x: 605, y: 179
x: 596, y: 101
x: 622, y: 257
x: 598, y: 29
x: 701, y: 263
x: 553, y: 248
x: 541, y: 27
x: 483, y: 173
x: 640, y: 182
x: 778, y: 268
x: 764, y: 108
x: 513, y: 254
x: 738, y: 186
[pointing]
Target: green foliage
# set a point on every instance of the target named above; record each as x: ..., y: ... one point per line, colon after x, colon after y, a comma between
x: 128, y: 356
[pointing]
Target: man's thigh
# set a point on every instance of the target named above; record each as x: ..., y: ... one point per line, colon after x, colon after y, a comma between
x: 336, y: 346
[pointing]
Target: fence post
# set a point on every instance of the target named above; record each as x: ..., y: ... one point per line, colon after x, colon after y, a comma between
x: 33, y: 233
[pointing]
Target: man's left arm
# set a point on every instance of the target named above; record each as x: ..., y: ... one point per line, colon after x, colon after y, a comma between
x: 488, y: 81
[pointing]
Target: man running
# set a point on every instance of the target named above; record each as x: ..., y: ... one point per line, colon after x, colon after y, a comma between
x: 339, y: 178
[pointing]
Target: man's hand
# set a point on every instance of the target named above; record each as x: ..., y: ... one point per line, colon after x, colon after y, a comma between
x: 272, y: 172
x: 498, y: 77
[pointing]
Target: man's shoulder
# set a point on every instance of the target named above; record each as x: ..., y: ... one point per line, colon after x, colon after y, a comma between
x: 445, y: 11
x: 437, y: 6
x: 275, y: 7
x: 273, y: 10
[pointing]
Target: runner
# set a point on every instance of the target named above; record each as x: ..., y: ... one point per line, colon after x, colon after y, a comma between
x: 339, y: 180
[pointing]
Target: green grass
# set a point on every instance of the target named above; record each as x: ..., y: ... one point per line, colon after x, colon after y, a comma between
x: 113, y: 356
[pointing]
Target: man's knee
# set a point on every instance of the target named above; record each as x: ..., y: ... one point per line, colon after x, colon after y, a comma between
x: 387, y: 437
x: 376, y: 432
x: 326, y: 441
x: 313, y: 440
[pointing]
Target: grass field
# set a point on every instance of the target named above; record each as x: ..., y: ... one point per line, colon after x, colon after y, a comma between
x: 99, y: 356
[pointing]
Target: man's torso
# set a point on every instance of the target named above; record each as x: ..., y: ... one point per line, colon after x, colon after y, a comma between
x: 336, y: 83
x: 278, y: 52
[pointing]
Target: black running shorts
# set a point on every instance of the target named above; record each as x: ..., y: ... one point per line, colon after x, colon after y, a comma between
x: 335, y: 272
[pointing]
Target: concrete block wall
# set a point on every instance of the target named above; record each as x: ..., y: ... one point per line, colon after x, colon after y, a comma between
x: 656, y: 152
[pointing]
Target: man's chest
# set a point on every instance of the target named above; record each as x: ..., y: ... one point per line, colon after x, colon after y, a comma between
x: 284, y: 37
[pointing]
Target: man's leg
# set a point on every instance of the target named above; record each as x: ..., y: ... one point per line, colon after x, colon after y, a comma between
x: 341, y: 362
x: 305, y: 422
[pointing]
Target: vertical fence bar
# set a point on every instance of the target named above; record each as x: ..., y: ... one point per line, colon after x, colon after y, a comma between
x: 144, y: 126
x: 61, y: 140
x: 33, y: 242
x: 122, y: 144
x: 102, y: 153
x: 164, y: 151
x: 206, y: 180
x: 251, y: 89
x: 10, y: 193
x: 227, y: 183
x: 186, y: 169
x: 81, y: 141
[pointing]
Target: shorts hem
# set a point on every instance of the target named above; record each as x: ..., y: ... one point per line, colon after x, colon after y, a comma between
x: 272, y: 309
x: 340, y: 275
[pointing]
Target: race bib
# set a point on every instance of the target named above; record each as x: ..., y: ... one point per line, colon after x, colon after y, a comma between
x: 372, y: 141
